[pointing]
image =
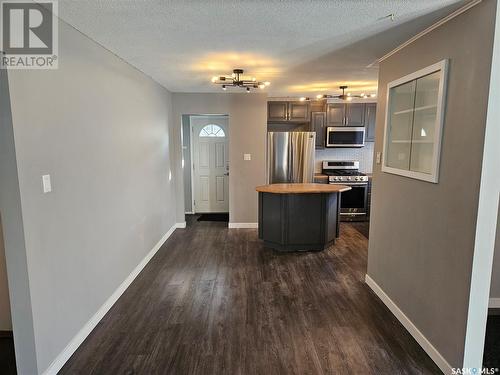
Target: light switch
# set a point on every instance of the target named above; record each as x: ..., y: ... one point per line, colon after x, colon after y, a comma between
x: 247, y: 156
x: 47, y: 186
x: 379, y: 157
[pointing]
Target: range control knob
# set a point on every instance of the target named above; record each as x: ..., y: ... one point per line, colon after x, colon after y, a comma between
x: 356, y: 178
x: 349, y: 178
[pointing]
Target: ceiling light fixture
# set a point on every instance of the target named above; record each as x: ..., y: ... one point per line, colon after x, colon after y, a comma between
x: 236, y: 80
x: 345, y: 96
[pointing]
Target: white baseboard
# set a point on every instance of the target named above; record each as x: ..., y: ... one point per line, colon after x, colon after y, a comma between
x: 76, y: 341
x: 494, y: 303
x: 181, y: 225
x: 243, y: 225
x: 410, y: 327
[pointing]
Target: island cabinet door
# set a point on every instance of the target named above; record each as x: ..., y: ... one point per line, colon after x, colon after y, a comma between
x: 305, y: 219
x: 271, y: 217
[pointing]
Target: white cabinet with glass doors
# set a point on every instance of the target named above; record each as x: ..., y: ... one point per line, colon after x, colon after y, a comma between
x: 414, y: 122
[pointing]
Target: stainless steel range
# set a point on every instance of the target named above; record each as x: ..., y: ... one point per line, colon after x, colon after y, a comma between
x: 353, y: 205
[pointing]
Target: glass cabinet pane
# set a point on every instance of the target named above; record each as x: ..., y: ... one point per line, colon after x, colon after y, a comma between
x: 424, y: 123
x: 400, y: 120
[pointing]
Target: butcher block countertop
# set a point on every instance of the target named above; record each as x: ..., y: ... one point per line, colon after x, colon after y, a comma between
x: 320, y: 176
x: 301, y: 188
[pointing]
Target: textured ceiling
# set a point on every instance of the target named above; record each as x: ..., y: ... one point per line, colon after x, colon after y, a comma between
x: 302, y: 47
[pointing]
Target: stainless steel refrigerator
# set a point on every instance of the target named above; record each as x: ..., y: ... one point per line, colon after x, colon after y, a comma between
x: 290, y: 157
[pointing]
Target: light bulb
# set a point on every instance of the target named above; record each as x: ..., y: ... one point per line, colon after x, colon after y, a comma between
x: 348, y: 94
x: 349, y: 98
x: 363, y: 95
x: 373, y: 95
x: 267, y: 83
x: 262, y: 86
x: 302, y: 99
x: 319, y: 96
x: 214, y: 79
x: 254, y: 79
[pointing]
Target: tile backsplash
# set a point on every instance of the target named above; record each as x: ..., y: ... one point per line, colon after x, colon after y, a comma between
x: 363, y: 154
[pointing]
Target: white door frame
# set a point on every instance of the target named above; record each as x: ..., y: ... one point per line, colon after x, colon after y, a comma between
x: 486, y: 224
x: 191, y: 133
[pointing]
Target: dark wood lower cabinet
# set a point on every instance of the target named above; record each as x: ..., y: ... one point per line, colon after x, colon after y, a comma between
x: 298, y: 222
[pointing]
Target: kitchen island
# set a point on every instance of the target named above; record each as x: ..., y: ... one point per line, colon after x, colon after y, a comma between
x: 299, y: 217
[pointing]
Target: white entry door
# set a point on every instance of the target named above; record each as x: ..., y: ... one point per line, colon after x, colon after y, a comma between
x: 210, y: 164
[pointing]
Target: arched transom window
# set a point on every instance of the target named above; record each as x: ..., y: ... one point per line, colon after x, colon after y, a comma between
x: 212, y: 131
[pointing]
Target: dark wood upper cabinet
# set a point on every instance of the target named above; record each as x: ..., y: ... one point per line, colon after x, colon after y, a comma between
x: 278, y: 111
x: 298, y: 111
x: 345, y: 114
x: 355, y: 114
x: 335, y: 114
x: 318, y: 125
x: 370, y: 115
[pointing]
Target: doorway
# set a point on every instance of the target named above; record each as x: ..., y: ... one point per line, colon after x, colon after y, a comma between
x: 210, y: 163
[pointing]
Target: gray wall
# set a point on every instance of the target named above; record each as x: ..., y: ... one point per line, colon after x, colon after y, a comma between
x: 100, y: 128
x: 5, y: 318
x: 247, y: 134
x: 495, y: 277
x: 422, y: 234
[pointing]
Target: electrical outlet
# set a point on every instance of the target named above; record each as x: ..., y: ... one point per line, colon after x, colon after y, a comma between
x: 379, y: 157
x: 247, y: 156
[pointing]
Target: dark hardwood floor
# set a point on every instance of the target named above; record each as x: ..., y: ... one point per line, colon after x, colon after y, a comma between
x: 214, y: 301
x: 7, y: 357
x: 491, y: 357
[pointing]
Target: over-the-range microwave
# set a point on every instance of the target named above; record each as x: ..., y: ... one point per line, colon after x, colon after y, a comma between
x: 345, y: 136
